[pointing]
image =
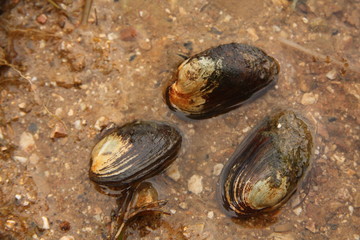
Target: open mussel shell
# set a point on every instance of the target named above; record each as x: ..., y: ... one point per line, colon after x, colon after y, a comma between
x: 130, y: 153
x: 220, y: 79
x: 267, y: 167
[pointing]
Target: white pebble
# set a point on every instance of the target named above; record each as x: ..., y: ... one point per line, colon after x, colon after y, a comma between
x: 309, y: 98
x: 27, y: 142
x: 245, y: 130
x: 112, y: 36
x: 195, y: 184
x: 183, y: 205
x: 70, y: 112
x: 22, y: 105
x: 99, y: 123
x: 10, y: 224
x: 67, y: 238
x: 297, y: 211
x: 173, y: 172
x: 210, y: 215
x: 77, y: 124
x: 217, y: 169
x: 45, y: 223
x: 59, y: 112
x: 351, y: 209
x: 20, y: 159
x: 332, y: 74
x: 276, y: 28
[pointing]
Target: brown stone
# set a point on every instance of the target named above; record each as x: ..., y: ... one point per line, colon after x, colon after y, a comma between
x: 42, y: 19
x: 128, y: 34
x: 64, y: 226
x: 59, y: 131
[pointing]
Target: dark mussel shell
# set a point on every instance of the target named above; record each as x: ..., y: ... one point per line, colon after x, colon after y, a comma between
x: 133, y: 152
x: 220, y: 79
x: 265, y: 170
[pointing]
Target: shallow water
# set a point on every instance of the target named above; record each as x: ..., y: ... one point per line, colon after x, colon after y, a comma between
x: 115, y: 69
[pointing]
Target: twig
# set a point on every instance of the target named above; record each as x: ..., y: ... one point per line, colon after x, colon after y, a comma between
x: 54, y: 4
x: 13, y: 67
x: 318, y: 55
x: 146, y: 208
x: 86, y: 12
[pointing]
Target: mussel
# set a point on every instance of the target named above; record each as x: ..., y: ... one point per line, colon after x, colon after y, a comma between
x: 133, y: 152
x: 220, y: 79
x: 267, y: 167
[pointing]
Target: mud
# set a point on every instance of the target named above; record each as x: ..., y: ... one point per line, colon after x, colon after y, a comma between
x: 76, y: 78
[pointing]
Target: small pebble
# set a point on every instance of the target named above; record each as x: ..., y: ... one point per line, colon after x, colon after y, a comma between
x: 210, y: 215
x: 276, y: 28
x: 351, y: 210
x: 59, y: 112
x: 46, y: 224
x: 67, y: 238
x: 245, y: 130
x: 20, y: 159
x: 34, y: 158
x: 27, y: 142
x: 70, y: 112
x: 83, y: 106
x: 17, y: 196
x: 339, y: 158
x: 100, y: 123
x: 10, y: 224
x: 58, y: 131
x: 297, y: 211
x: 112, y: 36
x: 77, y: 124
x: 309, y: 98
x: 332, y: 74
x: 22, y: 106
x: 33, y: 128
x: 172, y: 211
x: 195, y: 184
x: 173, y: 172
x: 183, y: 205
x: 217, y: 169
x: 42, y: 18
x: 310, y: 225
x: 65, y: 226
x: 128, y: 34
